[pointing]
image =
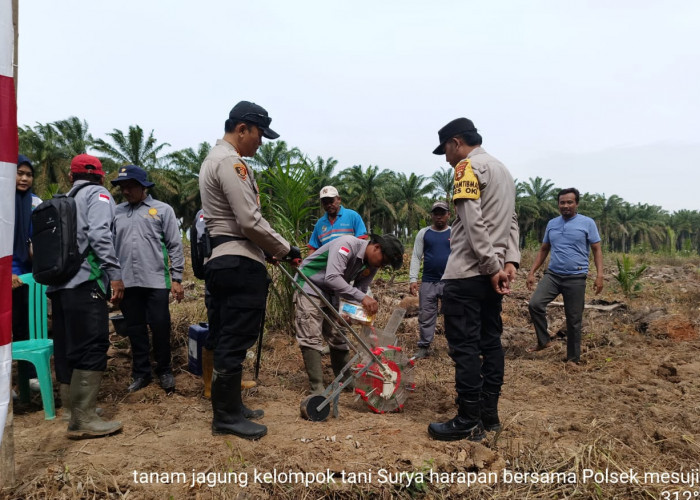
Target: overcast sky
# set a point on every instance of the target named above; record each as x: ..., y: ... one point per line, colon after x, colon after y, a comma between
x: 599, y: 95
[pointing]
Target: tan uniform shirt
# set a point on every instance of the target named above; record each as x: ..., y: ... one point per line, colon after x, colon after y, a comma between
x: 231, y: 204
x: 485, y: 233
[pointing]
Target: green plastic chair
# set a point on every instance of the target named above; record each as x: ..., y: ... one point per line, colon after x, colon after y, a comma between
x: 38, y: 349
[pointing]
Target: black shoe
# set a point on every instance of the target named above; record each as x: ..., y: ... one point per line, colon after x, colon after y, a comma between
x: 167, y: 382
x: 466, y: 425
x: 139, y: 383
x: 456, y: 429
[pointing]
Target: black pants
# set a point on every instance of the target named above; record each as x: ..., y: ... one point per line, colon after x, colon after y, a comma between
x: 80, y: 330
x: 473, y: 330
x: 238, y: 294
x: 144, y: 307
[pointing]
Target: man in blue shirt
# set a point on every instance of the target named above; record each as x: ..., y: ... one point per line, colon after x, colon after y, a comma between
x: 569, y: 237
x: 432, y: 245
x: 338, y: 221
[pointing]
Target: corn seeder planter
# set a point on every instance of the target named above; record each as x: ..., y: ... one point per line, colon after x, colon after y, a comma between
x: 381, y: 373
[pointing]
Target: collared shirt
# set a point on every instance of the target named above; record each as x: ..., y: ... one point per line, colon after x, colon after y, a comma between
x: 347, y: 222
x: 570, y: 242
x: 146, y: 236
x: 335, y: 265
x: 435, y: 246
x: 485, y: 233
x: 95, y: 212
x: 231, y: 205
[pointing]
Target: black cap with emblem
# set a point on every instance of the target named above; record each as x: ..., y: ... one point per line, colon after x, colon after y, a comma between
x: 249, y: 112
x: 455, y: 127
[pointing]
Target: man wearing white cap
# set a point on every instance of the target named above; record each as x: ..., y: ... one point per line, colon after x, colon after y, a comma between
x: 338, y: 221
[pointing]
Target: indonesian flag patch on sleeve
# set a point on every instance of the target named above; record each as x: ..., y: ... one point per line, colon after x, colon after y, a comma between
x: 344, y: 251
x: 466, y: 186
x: 104, y: 197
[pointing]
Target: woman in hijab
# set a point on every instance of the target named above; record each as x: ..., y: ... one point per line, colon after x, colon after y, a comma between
x: 25, y: 202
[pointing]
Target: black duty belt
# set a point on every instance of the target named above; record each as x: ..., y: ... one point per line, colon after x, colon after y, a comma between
x: 220, y: 240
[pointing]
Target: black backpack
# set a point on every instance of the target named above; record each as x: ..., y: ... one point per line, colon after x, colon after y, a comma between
x: 56, y: 256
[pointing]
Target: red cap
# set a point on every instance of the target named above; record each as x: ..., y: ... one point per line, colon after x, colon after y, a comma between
x: 86, y: 164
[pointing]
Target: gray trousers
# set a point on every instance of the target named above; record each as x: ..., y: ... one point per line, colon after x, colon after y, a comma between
x: 428, y: 297
x: 573, y: 291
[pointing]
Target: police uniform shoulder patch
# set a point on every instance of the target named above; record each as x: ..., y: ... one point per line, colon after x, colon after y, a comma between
x: 466, y: 185
x: 241, y: 170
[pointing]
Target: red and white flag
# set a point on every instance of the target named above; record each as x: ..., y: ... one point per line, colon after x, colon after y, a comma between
x: 8, y: 175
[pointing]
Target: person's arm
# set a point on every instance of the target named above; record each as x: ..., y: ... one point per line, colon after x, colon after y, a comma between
x: 238, y: 190
x: 100, y: 214
x: 539, y: 260
x: 339, y: 257
x: 512, y: 257
x: 598, y: 261
x: 314, y: 243
x: 359, y: 228
x: 416, y: 257
x: 173, y: 244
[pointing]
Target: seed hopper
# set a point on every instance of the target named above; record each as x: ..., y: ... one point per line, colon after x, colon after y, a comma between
x: 380, y: 371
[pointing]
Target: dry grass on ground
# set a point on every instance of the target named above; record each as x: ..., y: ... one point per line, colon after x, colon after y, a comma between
x: 634, y: 403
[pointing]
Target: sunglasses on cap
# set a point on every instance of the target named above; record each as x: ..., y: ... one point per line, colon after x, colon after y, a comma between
x: 259, y: 119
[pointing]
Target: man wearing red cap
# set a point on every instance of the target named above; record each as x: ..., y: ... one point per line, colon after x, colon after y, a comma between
x: 80, y: 314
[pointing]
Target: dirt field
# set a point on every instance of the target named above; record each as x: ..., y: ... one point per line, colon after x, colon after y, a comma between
x: 632, y: 406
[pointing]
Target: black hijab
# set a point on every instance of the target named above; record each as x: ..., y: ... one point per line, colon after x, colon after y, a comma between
x: 23, y: 213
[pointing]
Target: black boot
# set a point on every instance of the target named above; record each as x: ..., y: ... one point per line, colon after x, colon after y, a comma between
x: 489, y: 411
x: 228, y: 408
x: 466, y: 425
x: 338, y: 361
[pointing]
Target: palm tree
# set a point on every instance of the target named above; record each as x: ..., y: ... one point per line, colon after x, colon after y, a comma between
x: 274, y: 153
x: 132, y: 148
x: 75, y: 138
x: 409, y: 197
x: 544, y: 195
x: 43, y: 145
x: 186, y: 164
x: 444, y: 180
x: 367, y: 190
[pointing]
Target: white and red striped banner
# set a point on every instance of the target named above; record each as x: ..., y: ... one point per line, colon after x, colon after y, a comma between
x: 8, y: 175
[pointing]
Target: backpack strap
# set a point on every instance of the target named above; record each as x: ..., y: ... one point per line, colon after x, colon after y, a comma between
x: 74, y: 190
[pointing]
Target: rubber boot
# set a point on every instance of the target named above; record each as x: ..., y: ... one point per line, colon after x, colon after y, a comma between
x: 84, y: 422
x: 489, y: 411
x: 314, y: 369
x: 207, y: 370
x: 228, y: 408
x: 338, y: 361
x: 64, y: 392
x: 466, y: 425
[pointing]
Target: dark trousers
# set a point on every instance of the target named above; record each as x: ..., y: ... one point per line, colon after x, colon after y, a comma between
x: 20, y: 325
x: 473, y: 328
x: 144, y: 307
x: 80, y: 330
x: 573, y: 291
x: 238, y: 294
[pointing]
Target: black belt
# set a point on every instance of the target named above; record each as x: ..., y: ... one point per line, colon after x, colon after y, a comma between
x: 220, y: 240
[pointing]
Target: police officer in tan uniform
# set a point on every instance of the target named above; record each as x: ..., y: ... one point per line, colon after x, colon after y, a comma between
x: 483, y: 260
x: 235, y: 272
